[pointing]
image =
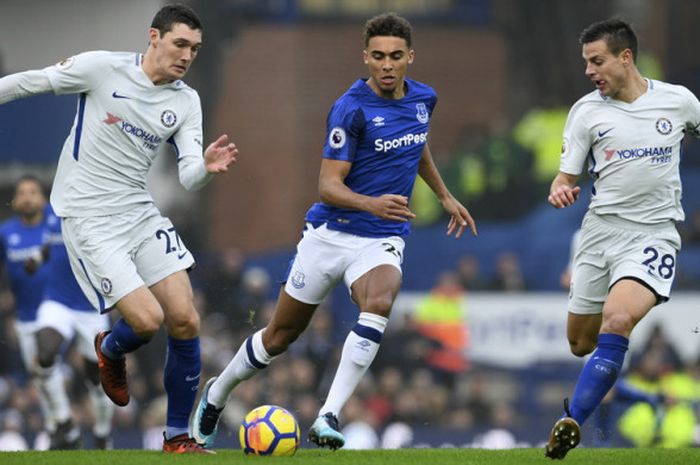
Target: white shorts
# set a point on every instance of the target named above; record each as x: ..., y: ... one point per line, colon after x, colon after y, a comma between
x: 112, y: 256
x: 324, y: 257
x: 611, y: 249
x: 26, y: 337
x: 83, y: 325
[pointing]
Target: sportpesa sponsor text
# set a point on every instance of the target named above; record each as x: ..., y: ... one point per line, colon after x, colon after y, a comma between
x: 381, y: 145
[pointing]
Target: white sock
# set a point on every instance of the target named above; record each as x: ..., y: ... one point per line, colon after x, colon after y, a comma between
x: 50, y: 383
x: 103, y: 409
x: 359, y: 350
x: 240, y: 368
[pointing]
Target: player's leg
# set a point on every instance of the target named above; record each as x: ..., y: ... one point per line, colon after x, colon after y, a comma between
x: 99, y: 249
x: 309, y: 278
x: 46, y: 385
x: 374, y: 279
x: 290, y: 319
x: 582, y: 332
x: 183, y: 363
x: 629, y: 301
x: 87, y: 325
x: 55, y: 329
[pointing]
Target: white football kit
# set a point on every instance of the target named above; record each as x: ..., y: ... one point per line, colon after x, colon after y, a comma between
x: 633, y: 153
x: 116, y: 238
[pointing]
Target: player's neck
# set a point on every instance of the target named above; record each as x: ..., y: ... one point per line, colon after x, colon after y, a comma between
x: 150, y: 68
x: 635, y: 88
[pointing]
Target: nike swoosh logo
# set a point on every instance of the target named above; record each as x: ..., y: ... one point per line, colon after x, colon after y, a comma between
x: 116, y: 95
x: 192, y: 378
x: 602, y: 133
x: 181, y: 256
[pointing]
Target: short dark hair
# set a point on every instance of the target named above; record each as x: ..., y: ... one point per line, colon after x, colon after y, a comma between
x: 617, y: 34
x: 388, y: 24
x: 173, y: 14
x: 29, y: 178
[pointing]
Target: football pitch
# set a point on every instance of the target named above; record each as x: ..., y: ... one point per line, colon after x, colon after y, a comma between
x: 371, y: 457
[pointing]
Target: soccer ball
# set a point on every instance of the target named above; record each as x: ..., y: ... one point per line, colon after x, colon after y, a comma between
x: 269, y: 430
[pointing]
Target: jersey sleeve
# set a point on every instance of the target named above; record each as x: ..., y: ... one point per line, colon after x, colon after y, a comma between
x: 576, y: 144
x: 344, y: 126
x: 24, y: 84
x: 187, y: 142
x: 79, y: 73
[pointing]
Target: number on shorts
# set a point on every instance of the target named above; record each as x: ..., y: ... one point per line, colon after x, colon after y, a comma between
x: 664, y: 266
x: 171, y: 237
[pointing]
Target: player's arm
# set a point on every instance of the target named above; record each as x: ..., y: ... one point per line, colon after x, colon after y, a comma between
x: 564, y: 191
x: 459, y: 215
x: 333, y: 191
x: 24, y: 84
x: 80, y: 73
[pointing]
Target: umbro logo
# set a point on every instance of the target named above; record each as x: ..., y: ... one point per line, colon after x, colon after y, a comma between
x: 116, y: 95
x: 378, y: 121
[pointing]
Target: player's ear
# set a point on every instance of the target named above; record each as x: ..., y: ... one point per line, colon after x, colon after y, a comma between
x: 411, y: 56
x: 365, y: 56
x: 153, y: 35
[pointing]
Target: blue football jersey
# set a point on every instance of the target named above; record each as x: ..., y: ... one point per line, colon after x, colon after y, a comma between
x: 384, y: 140
x: 62, y: 286
x: 18, y: 243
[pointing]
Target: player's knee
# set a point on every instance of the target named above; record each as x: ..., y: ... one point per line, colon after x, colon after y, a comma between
x: 45, y: 358
x: 146, y: 325
x: 185, y: 325
x: 379, y: 305
x: 580, y: 347
x: 618, y: 323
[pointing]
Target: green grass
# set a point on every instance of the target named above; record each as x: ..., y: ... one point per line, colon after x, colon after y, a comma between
x: 378, y: 457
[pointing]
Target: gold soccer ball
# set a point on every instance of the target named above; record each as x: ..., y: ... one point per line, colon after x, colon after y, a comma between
x: 269, y: 430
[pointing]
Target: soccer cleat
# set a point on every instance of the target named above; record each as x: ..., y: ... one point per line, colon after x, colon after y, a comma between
x: 325, y: 432
x: 112, y: 373
x: 565, y: 435
x: 183, y: 444
x: 205, y: 420
x: 103, y: 443
x: 66, y: 437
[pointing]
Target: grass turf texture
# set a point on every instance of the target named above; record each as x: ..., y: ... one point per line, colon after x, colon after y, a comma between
x: 372, y: 457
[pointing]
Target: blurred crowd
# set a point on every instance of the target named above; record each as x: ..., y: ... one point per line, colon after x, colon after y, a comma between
x: 422, y: 378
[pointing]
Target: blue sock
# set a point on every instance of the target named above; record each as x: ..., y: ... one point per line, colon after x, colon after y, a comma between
x: 598, y: 375
x: 121, y: 340
x: 181, y: 379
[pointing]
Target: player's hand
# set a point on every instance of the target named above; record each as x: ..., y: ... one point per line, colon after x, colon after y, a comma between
x: 32, y: 264
x: 459, y: 218
x: 219, y: 155
x: 563, y: 196
x: 391, y: 207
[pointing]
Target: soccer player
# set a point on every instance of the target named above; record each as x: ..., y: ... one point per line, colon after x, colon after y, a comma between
x: 124, y: 254
x: 65, y: 314
x: 21, y: 241
x: 376, y: 146
x: 630, y: 130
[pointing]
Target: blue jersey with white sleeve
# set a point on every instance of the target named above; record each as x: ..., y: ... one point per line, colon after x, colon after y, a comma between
x: 18, y: 243
x: 61, y: 285
x: 384, y: 140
